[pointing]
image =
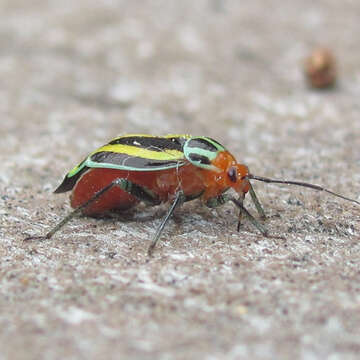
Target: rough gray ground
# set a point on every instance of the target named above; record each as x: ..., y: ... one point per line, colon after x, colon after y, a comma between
x: 76, y: 73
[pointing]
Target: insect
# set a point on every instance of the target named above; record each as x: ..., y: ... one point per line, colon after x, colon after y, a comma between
x: 157, y: 169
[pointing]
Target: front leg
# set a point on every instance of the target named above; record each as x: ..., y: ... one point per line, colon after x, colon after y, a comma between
x: 219, y: 200
x: 223, y: 198
x: 257, y: 204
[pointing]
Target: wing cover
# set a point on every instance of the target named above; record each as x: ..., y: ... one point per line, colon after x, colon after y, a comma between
x: 133, y: 153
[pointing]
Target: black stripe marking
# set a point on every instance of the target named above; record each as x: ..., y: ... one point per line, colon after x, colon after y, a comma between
x: 200, y: 159
x: 135, y: 162
x: 203, y: 144
x: 69, y: 182
x: 151, y: 143
x: 216, y: 142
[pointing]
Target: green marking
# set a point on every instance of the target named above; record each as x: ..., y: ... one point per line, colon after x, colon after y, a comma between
x: 201, y: 151
x: 76, y: 169
x: 92, y: 164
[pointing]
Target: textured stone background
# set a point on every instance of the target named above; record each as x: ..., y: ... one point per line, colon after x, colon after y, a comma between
x: 75, y: 74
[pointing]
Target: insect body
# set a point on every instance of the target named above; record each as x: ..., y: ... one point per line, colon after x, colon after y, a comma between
x: 156, y: 169
x: 153, y: 170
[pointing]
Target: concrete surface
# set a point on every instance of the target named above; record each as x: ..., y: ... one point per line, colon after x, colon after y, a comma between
x: 76, y: 73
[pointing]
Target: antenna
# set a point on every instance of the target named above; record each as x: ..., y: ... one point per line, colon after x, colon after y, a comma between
x: 300, y: 183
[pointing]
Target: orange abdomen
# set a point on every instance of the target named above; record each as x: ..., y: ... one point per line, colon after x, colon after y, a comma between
x: 163, y: 183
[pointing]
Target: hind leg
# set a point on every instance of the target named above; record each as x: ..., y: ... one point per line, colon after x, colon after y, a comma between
x: 139, y: 192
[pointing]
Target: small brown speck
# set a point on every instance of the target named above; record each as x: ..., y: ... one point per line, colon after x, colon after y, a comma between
x: 320, y: 69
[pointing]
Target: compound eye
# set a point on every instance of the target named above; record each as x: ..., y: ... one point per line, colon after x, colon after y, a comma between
x: 232, y: 174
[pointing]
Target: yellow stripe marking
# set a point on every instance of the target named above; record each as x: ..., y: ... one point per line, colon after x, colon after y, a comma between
x: 140, y: 152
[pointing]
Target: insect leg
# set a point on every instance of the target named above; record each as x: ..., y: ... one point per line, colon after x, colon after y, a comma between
x: 241, y: 200
x: 179, y: 199
x: 257, y: 204
x: 217, y: 201
x: 137, y: 191
x: 223, y: 198
x: 193, y: 197
x: 249, y: 216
